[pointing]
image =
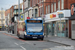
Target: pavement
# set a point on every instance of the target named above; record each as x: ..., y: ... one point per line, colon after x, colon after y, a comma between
x: 61, y: 40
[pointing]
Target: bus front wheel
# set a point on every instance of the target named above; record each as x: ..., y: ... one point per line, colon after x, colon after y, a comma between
x: 41, y: 38
x: 24, y: 37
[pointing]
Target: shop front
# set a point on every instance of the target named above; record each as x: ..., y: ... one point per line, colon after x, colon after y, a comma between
x: 72, y: 22
x: 57, y: 23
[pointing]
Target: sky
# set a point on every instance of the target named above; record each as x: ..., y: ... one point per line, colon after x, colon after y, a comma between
x: 6, y: 4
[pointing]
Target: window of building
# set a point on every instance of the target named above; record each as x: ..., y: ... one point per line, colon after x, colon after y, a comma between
x: 28, y: 3
x: 37, y: 1
x: 59, y: 5
x: 54, y: 6
x: 14, y: 7
x: 51, y: 7
x: 15, y: 11
x: 46, y: 9
x: 22, y: 8
x: 40, y: 11
x: 11, y: 12
x: 62, y: 4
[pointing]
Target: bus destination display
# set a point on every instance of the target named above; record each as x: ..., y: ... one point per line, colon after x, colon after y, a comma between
x: 34, y: 21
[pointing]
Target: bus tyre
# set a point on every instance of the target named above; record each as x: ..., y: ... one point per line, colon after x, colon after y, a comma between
x: 19, y: 36
x: 41, y: 38
x: 24, y: 37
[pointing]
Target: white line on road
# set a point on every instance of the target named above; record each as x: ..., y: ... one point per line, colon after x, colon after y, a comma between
x: 16, y: 44
x: 23, y: 48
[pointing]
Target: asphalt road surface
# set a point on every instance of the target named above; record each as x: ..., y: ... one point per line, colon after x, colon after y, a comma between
x: 12, y: 42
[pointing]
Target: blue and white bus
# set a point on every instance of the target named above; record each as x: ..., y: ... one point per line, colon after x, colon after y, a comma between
x: 31, y: 28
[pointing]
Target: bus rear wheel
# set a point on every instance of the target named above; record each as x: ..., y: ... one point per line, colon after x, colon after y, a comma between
x: 18, y: 36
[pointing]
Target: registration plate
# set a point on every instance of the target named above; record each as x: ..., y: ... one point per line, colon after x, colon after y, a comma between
x: 35, y: 37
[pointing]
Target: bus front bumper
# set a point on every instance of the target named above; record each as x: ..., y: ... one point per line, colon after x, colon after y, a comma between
x: 34, y: 37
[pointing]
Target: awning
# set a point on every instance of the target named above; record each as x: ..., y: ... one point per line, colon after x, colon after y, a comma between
x: 57, y: 19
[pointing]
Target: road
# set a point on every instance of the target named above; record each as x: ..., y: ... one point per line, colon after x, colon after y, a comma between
x: 9, y: 42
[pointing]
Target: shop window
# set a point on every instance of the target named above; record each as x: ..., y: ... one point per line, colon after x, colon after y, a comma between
x: 62, y: 4
x: 51, y: 7
x: 54, y: 6
x: 59, y: 5
x: 61, y: 15
x: 48, y: 8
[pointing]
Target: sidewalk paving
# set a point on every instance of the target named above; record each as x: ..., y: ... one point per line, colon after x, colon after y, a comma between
x: 10, y: 33
x: 61, y: 40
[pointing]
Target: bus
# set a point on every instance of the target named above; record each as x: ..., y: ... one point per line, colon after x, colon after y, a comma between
x: 30, y: 29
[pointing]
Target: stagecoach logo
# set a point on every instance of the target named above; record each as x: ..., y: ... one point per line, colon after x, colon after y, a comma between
x: 72, y: 9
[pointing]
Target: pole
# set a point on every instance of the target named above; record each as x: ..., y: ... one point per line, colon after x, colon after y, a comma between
x: 32, y: 9
x: 28, y: 8
x: 43, y: 10
x: 18, y: 9
x: 40, y: 8
x: 60, y: 23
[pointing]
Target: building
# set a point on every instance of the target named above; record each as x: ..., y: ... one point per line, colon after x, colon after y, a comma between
x: 56, y: 26
x: 26, y: 6
x: 33, y: 8
x: 12, y: 16
x: 7, y: 15
x: 15, y: 13
x: 2, y: 20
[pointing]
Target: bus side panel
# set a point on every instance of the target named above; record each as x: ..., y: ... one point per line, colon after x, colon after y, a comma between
x: 20, y: 30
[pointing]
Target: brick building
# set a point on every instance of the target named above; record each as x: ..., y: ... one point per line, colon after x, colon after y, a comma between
x: 7, y: 15
x: 59, y: 6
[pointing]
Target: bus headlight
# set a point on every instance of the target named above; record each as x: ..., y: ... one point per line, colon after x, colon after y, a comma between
x: 25, y: 33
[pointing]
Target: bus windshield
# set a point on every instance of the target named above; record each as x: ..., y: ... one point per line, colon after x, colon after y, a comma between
x: 34, y: 27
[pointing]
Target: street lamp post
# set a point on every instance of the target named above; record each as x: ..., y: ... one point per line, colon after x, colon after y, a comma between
x: 60, y: 23
x: 18, y: 9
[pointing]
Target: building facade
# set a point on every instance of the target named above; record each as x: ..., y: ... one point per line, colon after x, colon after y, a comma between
x: 2, y: 19
x: 7, y: 15
x: 57, y: 16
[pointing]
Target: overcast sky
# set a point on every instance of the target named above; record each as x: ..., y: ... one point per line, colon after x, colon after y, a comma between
x: 6, y: 4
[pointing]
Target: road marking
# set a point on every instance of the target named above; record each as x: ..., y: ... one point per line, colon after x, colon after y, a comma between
x: 23, y: 48
x: 16, y: 44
